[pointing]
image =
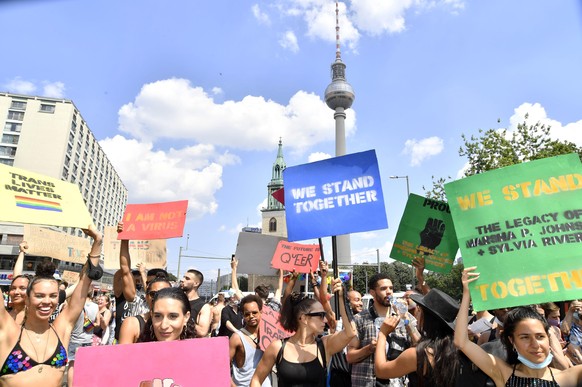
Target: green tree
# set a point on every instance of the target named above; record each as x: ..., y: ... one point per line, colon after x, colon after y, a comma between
x: 493, y: 149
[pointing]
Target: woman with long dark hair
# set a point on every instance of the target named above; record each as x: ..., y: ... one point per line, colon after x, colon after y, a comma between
x: 169, y: 317
x: 527, y: 342
x: 435, y: 361
x: 35, y: 352
x: 18, y: 286
x: 302, y: 359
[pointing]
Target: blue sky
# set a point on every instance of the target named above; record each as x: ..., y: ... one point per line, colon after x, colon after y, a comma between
x: 190, y: 98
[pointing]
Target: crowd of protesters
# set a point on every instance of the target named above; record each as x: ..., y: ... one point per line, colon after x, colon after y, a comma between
x: 423, y: 339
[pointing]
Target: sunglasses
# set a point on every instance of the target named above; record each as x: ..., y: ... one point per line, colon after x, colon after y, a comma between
x: 321, y: 315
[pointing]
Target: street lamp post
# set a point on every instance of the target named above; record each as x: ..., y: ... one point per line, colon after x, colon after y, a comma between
x: 180, y: 254
x: 407, y: 195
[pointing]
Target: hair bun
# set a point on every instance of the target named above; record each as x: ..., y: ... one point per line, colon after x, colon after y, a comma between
x: 45, y: 269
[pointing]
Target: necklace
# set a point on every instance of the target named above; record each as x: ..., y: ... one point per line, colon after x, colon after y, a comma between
x: 303, y: 345
x: 253, y: 337
x: 34, y: 347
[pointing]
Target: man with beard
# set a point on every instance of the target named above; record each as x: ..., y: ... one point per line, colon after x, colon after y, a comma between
x: 200, y: 310
x: 245, y: 352
x: 361, y: 349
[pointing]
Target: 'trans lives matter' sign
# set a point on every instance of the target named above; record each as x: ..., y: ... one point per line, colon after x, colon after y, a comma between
x: 335, y: 196
x: 522, y: 227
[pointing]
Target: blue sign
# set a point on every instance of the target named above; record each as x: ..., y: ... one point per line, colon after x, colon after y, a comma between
x: 336, y: 196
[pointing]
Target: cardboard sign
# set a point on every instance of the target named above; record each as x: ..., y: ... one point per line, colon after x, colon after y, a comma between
x: 154, y: 221
x: 254, y: 253
x: 335, y: 196
x: 302, y: 258
x: 522, y: 227
x: 59, y: 245
x: 426, y: 230
x: 70, y: 276
x: 27, y: 197
x: 148, y: 364
x: 151, y: 253
x: 271, y: 328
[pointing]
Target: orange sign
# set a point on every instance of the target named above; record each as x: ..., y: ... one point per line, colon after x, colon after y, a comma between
x: 302, y: 258
x: 154, y: 221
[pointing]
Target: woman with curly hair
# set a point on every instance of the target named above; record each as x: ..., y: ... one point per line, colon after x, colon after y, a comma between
x: 35, y: 352
x: 170, y: 317
x: 302, y: 359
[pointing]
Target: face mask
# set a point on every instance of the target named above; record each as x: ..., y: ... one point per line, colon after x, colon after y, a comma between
x: 554, y: 322
x: 576, y: 315
x: 535, y: 366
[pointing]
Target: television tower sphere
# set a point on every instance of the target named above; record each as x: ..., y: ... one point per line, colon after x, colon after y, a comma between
x: 339, y: 93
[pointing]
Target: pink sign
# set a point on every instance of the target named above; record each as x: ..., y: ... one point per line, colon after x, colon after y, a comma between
x: 271, y: 328
x: 194, y: 362
x: 154, y: 221
x: 302, y: 258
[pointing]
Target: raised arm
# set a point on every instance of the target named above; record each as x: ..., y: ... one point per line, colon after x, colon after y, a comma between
x: 91, y: 271
x: 489, y: 364
x: 123, y: 279
x: 403, y: 364
x: 339, y: 340
x: 233, y: 279
x: 321, y: 294
x: 290, y: 285
x: 418, y: 264
x: 19, y: 264
x: 278, y: 291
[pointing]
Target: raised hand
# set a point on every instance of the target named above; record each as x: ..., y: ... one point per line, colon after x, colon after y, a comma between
x: 432, y: 234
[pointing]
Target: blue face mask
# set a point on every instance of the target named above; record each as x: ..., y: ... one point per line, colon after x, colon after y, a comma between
x: 535, y: 366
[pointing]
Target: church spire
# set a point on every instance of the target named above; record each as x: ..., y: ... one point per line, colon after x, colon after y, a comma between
x: 276, y: 180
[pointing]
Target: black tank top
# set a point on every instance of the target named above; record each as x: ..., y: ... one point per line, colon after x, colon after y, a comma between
x: 310, y: 374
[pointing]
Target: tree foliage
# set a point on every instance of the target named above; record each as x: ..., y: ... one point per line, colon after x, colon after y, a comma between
x: 493, y: 149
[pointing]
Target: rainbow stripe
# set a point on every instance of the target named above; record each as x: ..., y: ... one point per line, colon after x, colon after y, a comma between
x: 37, y: 204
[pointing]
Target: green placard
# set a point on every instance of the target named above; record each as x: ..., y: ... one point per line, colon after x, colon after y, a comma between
x: 426, y: 229
x: 522, y: 227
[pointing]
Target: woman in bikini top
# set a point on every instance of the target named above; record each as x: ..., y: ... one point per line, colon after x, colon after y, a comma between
x: 527, y: 342
x: 35, y: 353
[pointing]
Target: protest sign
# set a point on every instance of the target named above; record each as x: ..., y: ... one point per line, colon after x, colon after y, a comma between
x: 302, y: 258
x: 152, y: 253
x: 271, y: 328
x: 254, y: 253
x: 70, y: 276
x: 426, y: 230
x: 28, y: 197
x: 521, y: 226
x: 155, y: 364
x: 154, y: 221
x: 45, y: 242
x: 335, y: 196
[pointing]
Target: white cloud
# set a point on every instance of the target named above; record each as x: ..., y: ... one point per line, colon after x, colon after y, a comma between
x: 173, y: 108
x: 260, y: 15
x: 423, y: 149
x: 54, y: 89
x: 217, y: 91
x: 156, y: 176
x: 20, y: 86
x: 289, y: 42
x: 376, y: 17
x: 536, y: 113
x: 317, y: 156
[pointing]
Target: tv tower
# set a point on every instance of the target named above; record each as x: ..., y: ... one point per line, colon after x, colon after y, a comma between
x: 339, y: 96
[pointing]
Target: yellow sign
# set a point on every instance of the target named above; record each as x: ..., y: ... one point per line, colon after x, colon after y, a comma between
x: 152, y: 253
x: 27, y: 197
x: 59, y: 245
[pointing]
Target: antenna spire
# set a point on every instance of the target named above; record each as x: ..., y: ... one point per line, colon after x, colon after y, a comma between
x: 338, y: 54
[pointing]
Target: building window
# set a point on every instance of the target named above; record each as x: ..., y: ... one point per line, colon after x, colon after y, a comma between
x: 46, y: 108
x: 13, y: 115
x: 20, y: 105
x: 9, y: 139
x: 9, y: 162
x: 13, y: 127
x: 273, y: 225
x: 7, y: 151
